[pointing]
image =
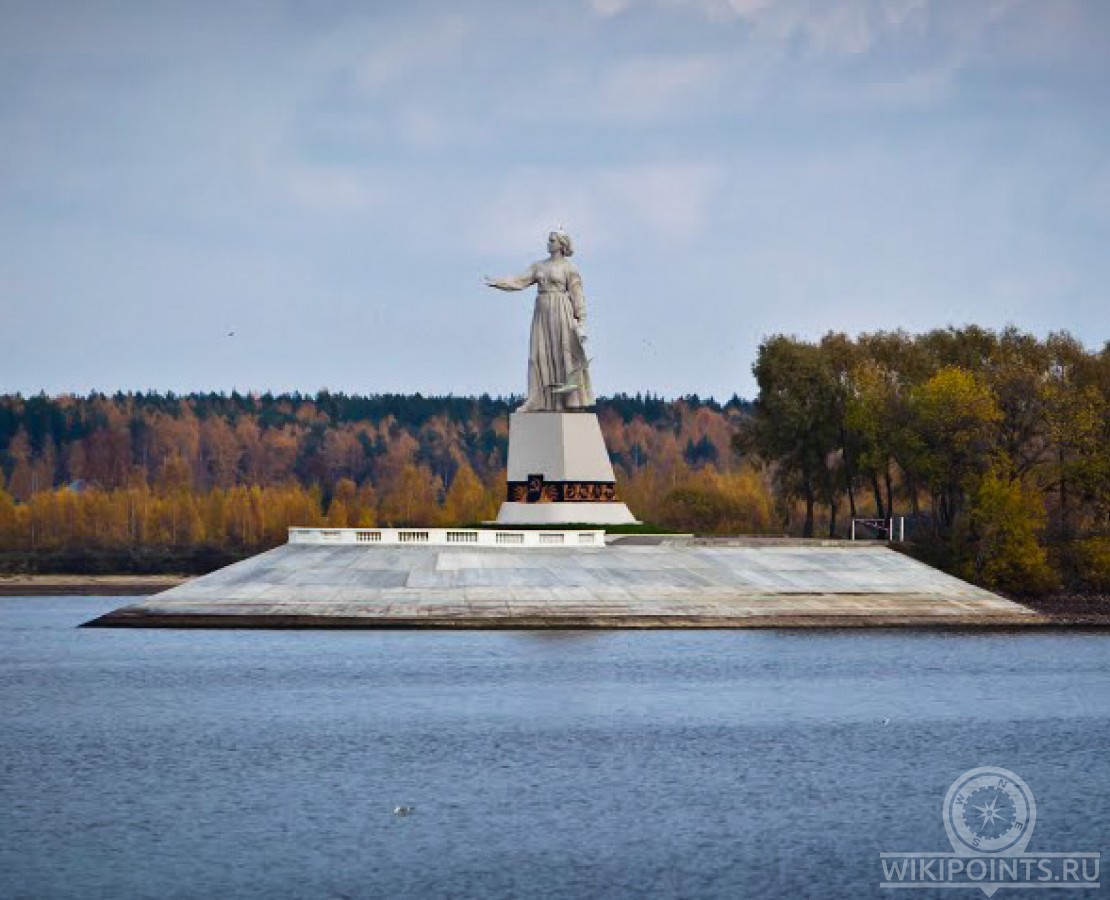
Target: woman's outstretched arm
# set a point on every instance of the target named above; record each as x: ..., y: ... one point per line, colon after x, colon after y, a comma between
x: 513, y: 282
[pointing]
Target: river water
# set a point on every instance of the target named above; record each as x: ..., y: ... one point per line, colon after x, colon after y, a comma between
x: 151, y: 763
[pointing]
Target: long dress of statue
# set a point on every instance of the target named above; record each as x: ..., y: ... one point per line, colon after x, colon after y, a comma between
x: 558, y: 370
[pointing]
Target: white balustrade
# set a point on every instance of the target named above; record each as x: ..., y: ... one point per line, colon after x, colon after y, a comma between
x: 441, y: 537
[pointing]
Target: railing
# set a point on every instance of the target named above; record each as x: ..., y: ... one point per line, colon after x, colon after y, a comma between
x: 441, y: 537
x: 883, y: 529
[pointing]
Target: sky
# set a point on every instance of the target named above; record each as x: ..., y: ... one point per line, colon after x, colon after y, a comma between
x: 306, y: 194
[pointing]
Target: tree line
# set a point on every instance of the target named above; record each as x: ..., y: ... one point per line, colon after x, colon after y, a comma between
x: 233, y: 472
x: 996, y: 444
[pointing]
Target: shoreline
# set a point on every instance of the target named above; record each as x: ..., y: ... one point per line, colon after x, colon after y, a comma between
x: 88, y: 585
x: 788, y: 621
x: 1063, y: 609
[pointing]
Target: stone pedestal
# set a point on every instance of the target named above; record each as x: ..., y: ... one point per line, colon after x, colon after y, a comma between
x: 559, y: 472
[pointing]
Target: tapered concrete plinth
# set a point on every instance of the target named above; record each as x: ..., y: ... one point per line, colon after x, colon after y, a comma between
x: 559, y: 473
x: 637, y: 583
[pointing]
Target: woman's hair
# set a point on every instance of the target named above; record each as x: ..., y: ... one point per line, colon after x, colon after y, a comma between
x: 564, y: 242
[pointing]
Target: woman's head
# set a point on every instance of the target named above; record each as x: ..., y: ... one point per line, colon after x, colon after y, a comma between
x: 559, y: 242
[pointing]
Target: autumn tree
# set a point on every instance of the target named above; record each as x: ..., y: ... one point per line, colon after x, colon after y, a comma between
x: 413, y: 499
x: 710, y: 502
x: 1004, y: 524
x: 343, y: 510
x: 797, y: 420
x: 9, y: 519
x: 955, y: 428
x: 468, y: 500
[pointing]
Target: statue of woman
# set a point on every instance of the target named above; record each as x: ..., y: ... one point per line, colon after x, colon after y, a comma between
x: 558, y: 371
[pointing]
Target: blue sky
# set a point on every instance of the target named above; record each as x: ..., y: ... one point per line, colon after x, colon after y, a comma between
x: 330, y: 181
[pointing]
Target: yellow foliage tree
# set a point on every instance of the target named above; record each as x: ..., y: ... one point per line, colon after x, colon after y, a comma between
x: 1006, y: 519
x: 710, y: 502
x: 468, y: 500
x: 9, y: 520
x: 413, y: 499
x: 955, y: 426
x: 343, y: 511
x: 367, y: 506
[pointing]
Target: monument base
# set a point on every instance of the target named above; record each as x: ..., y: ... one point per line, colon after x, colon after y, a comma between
x: 565, y: 514
x: 559, y: 472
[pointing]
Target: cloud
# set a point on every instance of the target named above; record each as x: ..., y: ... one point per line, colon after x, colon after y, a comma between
x: 671, y: 200
x: 609, y: 8
x: 410, y: 52
x: 826, y: 26
x: 601, y: 206
x: 858, y: 55
x: 848, y: 28
x: 648, y: 87
x: 334, y: 190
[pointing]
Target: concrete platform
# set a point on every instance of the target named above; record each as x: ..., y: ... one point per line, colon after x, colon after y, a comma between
x: 635, y: 582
